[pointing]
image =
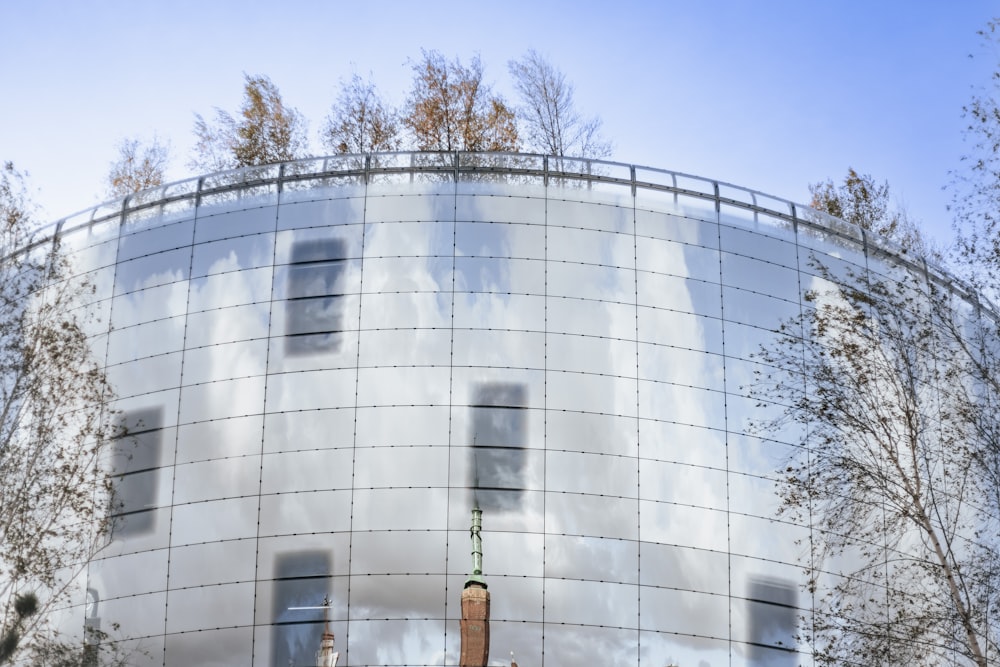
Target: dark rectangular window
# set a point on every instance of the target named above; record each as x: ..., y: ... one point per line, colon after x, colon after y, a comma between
x: 772, y: 618
x: 299, y: 592
x: 314, y: 309
x: 135, y: 463
x: 499, y: 438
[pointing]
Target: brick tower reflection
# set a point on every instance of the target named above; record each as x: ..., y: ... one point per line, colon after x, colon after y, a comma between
x: 326, y: 656
x: 475, y: 624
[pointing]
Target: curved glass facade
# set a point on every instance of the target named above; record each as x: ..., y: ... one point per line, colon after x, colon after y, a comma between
x: 324, y: 365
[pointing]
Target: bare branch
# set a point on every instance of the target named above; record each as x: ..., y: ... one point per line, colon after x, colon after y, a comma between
x: 360, y: 121
x: 548, y: 113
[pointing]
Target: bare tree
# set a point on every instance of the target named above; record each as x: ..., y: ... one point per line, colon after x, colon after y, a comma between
x: 54, y: 423
x: 975, y: 185
x: 360, y: 121
x: 884, y: 377
x: 451, y: 108
x: 864, y: 202
x: 137, y: 167
x: 548, y: 114
x: 266, y: 131
x: 215, y: 143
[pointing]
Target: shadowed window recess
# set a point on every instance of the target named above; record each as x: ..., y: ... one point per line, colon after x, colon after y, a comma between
x: 499, y: 440
x: 772, y: 618
x: 315, y: 305
x: 135, y: 463
x: 300, y: 597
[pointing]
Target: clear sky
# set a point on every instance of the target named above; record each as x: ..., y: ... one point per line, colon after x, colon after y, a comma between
x: 766, y: 94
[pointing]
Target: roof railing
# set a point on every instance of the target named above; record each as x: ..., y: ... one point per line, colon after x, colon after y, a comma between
x: 548, y: 169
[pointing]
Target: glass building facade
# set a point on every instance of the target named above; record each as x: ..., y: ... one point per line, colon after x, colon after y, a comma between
x: 325, y: 364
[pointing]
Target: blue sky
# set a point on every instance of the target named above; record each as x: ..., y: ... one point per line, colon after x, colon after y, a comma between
x: 771, y: 95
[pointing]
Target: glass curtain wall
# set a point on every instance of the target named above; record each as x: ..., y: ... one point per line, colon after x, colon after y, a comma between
x: 322, y: 380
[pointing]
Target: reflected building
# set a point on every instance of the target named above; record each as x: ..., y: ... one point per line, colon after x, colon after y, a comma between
x: 323, y: 365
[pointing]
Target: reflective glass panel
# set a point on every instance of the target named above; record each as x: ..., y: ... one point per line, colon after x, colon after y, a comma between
x: 342, y: 210
x: 683, y: 568
x: 500, y: 208
x: 219, y: 438
x: 145, y: 340
x: 574, y: 645
x: 682, y: 525
x: 212, y: 563
x: 479, y: 239
x: 245, y: 252
x: 684, y: 612
x: 211, y: 480
x: 398, y: 239
x: 155, y: 303
x: 499, y: 438
x: 227, y: 325
x: 500, y: 311
x: 307, y: 470
x: 688, y: 261
x: 589, y: 247
x: 398, y: 552
x: 587, y: 432
x: 136, y: 456
x: 154, y: 240
x: 598, y: 559
x: 590, y: 216
x: 586, y: 281
x: 315, y: 429
x: 220, y: 400
x: 400, y: 509
x: 397, y: 596
x: 591, y: 473
x: 217, y: 520
x: 430, y: 205
x: 396, y: 642
x: 597, y: 516
x: 488, y: 274
x: 685, y: 295
x: 243, y: 223
x: 400, y: 466
x: 222, y: 605
x: 128, y: 574
x: 591, y: 602
x: 305, y: 512
x: 760, y: 245
x: 210, y: 648
x: 159, y: 269
x: 311, y: 390
x: 146, y: 375
x: 300, y: 593
x: 671, y: 227
x: 759, y: 276
x: 315, y: 290
x: 230, y: 289
x: 221, y: 362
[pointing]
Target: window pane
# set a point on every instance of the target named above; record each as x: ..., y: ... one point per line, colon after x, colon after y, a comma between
x: 210, y: 648
x: 499, y: 439
x: 315, y: 291
x: 300, y: 591
x: 135, y: 459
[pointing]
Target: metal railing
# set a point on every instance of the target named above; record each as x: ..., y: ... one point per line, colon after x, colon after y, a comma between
x: 549, y: 170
